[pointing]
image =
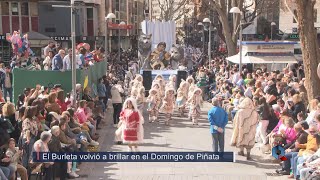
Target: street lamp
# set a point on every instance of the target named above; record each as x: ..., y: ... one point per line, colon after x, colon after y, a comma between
x: 200, y: 24
x: 73, y: 42
x: 207, y: 24
x: 109, y: 16
x: 119, y: 50
x: 272, y: 24
x: 236, y: 10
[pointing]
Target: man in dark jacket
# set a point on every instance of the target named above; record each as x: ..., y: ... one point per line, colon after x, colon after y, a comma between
x: 292, y: 151
x: 7, y: 83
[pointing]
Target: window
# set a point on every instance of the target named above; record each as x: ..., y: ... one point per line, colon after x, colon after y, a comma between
x: 90, y: 13
x: 315, y: 15
x: 25, y: 9
x: 5, y: 8
x: 14, y: 9
x: 295, y: 15
x: 50, y: 29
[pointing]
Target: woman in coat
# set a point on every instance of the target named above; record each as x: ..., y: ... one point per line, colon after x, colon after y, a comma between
x: 244, y: 127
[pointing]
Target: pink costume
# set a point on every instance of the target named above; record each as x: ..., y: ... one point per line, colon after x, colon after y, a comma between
x: 168, y: 104
x: 195, y: 102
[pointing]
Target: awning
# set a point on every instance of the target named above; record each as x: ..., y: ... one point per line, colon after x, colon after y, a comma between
x: 262, y: 59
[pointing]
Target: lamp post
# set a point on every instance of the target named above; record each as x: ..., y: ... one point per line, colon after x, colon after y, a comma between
x: 73, y: 42
x: 236, y: 10
x: 207, y: 24
x: 272, y: 24
x: 200, y: 24
x: 119, y: 47
x: 109, y: 16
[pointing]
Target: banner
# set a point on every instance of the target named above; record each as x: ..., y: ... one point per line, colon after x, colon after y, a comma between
x: 133, y: 157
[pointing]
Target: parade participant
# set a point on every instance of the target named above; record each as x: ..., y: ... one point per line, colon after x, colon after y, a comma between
x: 195, y: 102
x: 153, y: 104
x: 157, y: 86
x: 132, y: 124
x: 244, y: 127
x: 191, y: 85
x: 172, y: 82
x: 139, y: 78
x: 168, y: 104
x: 140, y: 99
x: 182, y: 96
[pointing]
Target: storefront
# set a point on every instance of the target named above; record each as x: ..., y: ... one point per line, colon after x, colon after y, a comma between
x: 5, y: 49
x: 271, y: 55
x: 93, y: 41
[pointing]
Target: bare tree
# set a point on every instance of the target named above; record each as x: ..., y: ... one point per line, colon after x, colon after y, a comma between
x: 229, y: 31
x: 172, y: 9
x: 309, y: 45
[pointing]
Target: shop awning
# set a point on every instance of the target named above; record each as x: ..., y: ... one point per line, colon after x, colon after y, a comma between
x: 38, y: 40
x: 262, y: 59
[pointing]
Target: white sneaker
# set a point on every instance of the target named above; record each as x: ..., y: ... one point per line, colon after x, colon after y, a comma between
x: 73, y: 175
x: 77, y: 170
x: 94, y: 143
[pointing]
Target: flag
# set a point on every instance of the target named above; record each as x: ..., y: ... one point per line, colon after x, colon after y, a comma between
x: 85, y: 83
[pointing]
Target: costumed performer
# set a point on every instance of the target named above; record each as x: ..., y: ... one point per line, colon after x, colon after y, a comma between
x: 244, y: 127
x: 131, y: 124
x: 182, y: 96
x: 153, y: 104
x: 168, y: 105
x: 195, y: 102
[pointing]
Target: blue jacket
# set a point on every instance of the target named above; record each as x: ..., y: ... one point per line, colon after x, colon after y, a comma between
x: 217, y: 117
x: 57, y: 62
x: 101, y: 90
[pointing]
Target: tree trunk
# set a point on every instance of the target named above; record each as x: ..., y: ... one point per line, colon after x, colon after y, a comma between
x: 309, y: 46
x: 231, y: 45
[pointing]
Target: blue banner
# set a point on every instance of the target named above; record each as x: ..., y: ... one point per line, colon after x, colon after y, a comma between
x: 134, y: 157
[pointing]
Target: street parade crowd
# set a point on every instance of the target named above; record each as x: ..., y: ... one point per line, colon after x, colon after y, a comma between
x: 266, y: 109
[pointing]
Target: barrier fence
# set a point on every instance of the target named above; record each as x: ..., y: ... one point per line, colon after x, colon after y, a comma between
x: 23, y: 78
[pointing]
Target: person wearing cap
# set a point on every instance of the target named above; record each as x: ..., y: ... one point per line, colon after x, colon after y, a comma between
x: 7, y: 80
x: 218, y: 119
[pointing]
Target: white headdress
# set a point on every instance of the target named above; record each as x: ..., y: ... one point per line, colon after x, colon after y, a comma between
x: 133, y: 102
x: 190, y: 78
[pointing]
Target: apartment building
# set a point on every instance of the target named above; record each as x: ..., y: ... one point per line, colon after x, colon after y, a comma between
x: 288, y: 24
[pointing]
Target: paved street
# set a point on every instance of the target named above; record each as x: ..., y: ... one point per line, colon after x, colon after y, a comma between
x: 180, y: 136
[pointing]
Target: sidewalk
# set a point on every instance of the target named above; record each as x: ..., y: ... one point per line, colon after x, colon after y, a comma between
x: 180, y: 136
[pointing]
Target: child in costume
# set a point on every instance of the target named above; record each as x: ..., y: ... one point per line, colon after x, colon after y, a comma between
x: 195, y: 102
x: 182, y: 96
x: 153, y: 104
x: 168, y: 104
x: 172, y: 82
x: 191, y: 88
x: 140, y: 99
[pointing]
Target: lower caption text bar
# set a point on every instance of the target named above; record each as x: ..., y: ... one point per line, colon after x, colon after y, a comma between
x: 133, y: 157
